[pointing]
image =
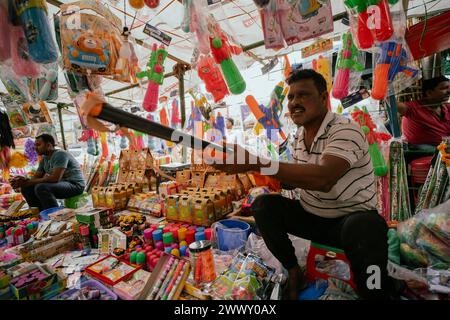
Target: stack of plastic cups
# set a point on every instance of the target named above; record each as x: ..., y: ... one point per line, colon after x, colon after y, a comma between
x: 190, y: 236
x: 199, y: 236
x: 167, y: 240
x: 208, y: 234
x: 157, y: 239
x: 148, y: 236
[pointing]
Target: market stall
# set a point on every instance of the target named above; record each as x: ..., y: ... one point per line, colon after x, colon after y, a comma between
x: 143, y: 94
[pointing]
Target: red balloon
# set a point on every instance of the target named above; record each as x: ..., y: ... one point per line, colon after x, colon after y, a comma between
x: 152, y: 3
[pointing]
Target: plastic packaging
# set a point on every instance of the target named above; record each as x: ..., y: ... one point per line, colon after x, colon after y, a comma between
x: 362, y: 117
x: 221, y: 51
x: 391, y: 67
x: 202, y: 262
x: 155, y: 75
x: 302, y: 20
x: 33, y: 19
x: 212, y: 77
x: 370, y: 21
x: 90, y: 38
x: 349, y: 67
x: 22, y: 64
x: 194, y: 21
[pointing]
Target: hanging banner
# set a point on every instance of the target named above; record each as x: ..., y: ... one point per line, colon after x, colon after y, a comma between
x: 317, y: 47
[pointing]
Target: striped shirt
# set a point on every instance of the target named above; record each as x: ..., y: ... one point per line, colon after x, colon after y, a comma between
x: 356, y: 189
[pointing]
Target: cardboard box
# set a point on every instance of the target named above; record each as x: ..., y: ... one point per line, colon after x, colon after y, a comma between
x: 202, y: 212
x: 171, y: 207
x: 36, y: 289
x: 185, y: 209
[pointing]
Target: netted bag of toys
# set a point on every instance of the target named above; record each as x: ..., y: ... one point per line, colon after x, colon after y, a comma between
x: 424, y: 240
x: 247, y: 278
x: 93, y: 41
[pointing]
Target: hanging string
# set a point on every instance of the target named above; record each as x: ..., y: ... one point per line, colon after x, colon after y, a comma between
x: 125, y: 11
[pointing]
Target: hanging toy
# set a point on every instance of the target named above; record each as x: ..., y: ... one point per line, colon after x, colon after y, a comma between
x: 5, y: 30
x: 127, y: 63
x: 373, y: 21
x: 269, y: 117
x: 30, y: 152
x: 347, y: 62
x: 22, y: 64
x: 136, y: 4
x: 222, y: 51
x: 104, y: 141
x: 323, y: 66
x: 362, y: 117
x: 152, y: 3
x: 194, y: 22
x: 123, y: 142
x: 155, y: 75
x: 33, y: 19
x: 50, y: 78
x: 212, y: 77
x: 220, y: 124
x: 175, y: 117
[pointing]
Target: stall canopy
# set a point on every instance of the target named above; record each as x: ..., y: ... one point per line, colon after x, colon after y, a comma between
x: 239, y: 18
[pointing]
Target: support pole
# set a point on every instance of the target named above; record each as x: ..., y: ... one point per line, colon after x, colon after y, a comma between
x: 393, y: 118
x: 179, y: 71
x: 61, y: 124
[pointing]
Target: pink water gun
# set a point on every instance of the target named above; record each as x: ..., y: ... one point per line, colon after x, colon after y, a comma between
x: 155, y: 75
x: 347, y: 62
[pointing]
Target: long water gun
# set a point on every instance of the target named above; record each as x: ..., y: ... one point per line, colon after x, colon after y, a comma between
x: 362, y: 117
x: 323, y: 66
x: 222, y: 51
x: 393, y: 59
x: 212, y: 77
x: 193, y: 22
x: 269, y: 117
x: 104, y: 141
x: 374, y: 21
x: 347, y: 61
x: 155, y: 75
x: 33, y: 19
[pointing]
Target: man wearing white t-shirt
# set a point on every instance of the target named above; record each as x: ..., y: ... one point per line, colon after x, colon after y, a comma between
x: 233, y: 136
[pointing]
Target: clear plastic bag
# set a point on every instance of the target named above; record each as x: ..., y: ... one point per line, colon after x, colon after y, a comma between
x: 91, y: 42
x: 349, y: 67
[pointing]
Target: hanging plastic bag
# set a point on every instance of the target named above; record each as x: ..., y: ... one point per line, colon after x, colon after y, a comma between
x: 91, y: 43
x: 270, y: 20
x: 349, y: 67
x: 302, y: 20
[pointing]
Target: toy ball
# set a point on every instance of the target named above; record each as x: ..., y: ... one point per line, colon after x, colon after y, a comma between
x: 252, y: 195
x: 175, y: 252
x: 136, y: 4
x: 152, y: 3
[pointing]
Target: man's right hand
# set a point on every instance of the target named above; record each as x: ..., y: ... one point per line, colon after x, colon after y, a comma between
x: 17, y: 181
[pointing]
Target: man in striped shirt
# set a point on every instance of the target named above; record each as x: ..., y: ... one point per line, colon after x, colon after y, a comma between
x: 334, y: 174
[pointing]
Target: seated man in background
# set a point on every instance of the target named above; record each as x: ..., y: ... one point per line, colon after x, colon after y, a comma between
x: 427, y: 121
x: 337, y: 206
x: 58, y: 176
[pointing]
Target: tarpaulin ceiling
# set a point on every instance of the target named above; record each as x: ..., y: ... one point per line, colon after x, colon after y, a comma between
x: 239, y: 18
